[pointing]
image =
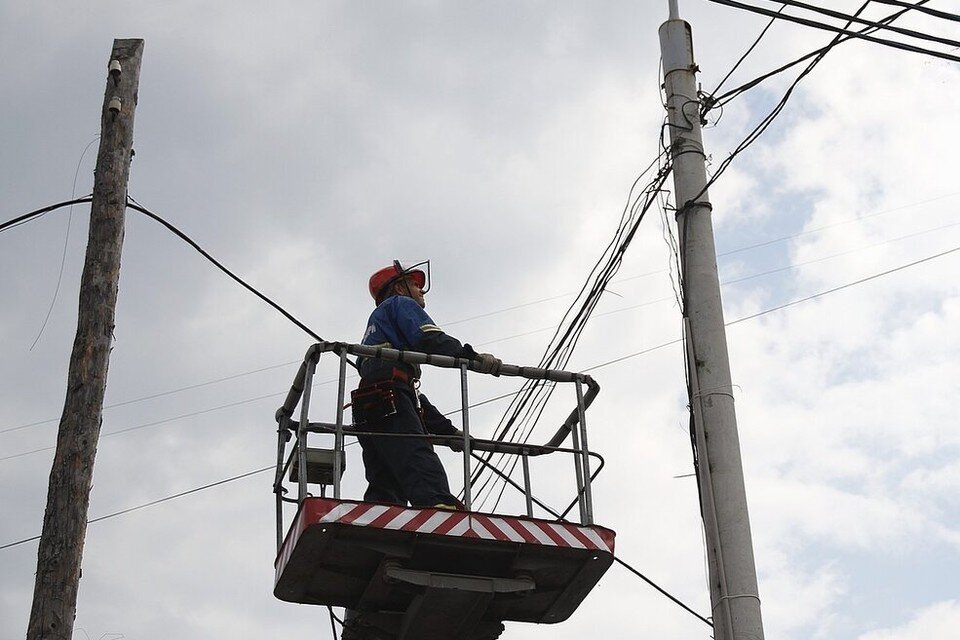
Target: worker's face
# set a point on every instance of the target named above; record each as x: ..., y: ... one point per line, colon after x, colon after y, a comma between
x: 408, y: 287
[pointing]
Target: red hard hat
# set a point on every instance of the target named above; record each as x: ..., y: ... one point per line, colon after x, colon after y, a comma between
x: 385, y: 277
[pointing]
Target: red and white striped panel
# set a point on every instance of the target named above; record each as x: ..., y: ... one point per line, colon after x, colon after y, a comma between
x: 290, y: 543
x: 457, y: 523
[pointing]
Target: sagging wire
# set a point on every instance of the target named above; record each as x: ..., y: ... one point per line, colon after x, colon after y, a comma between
x: 519, y: 420
x: 66, y: 241
x: 845, y: 30
x: 714, y: 101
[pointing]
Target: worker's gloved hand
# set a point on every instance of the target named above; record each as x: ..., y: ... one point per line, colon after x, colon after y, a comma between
x: 456, y: 441
x: 489, y: 363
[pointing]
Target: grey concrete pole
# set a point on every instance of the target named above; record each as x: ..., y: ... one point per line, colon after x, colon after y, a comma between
x: 733, y: 576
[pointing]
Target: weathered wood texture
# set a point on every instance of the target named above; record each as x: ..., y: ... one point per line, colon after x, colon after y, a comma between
x: 68, y: 494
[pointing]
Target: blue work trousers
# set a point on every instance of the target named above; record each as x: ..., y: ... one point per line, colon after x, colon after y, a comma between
x: 402, y: 470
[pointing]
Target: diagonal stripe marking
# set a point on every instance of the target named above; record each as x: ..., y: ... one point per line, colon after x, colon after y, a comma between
x: 568, y: 537
x: 594, y: 538
x: 506, y: 530
x: 536, y: 532
x: 476, y: 524
x: 433, y: 522
x: 370, y: 515
x: 405, y: 516
x: 462, y: 528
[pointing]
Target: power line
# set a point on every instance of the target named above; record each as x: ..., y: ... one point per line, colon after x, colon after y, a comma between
x: 332, y: 615
x: 746, y: 53
x: 66, y: 241
x: 719, y: 101
x: 133, y: 204
x: 153, y: 502
x: 929, y: 11
x: 825, y: 27
x: 846, y: 286
x: 663, y: 591
x: 526, y: 333
x: 833, y: 224
x: 598, y: 366
x: 767, y: 120
x: 488, y: 314
x: 843, y: 16
x: 27, y: 217
x: 779, y: 307
x: 164, y: 393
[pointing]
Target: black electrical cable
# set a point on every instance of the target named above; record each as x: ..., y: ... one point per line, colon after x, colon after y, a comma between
x: 550, y: 357
x: 333, y: 627
x: 526, y: 304
x: 527, y: 410
x: 720, y: 101
x: 494, y: 399
x: 27, y: 217
x: 854, y: 34
x: 663, y: 591
x: 66, y: 244
x: 745, y: 53
x: 765, y: 123
x: 553, y: 354
x: 154, y: 502
x: 878, y: 25
x: 133, y: 204
x: 594, y: 367
x: 929, y: 11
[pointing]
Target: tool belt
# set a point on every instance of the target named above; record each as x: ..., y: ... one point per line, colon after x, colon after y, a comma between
x: 373, y: 403
x: 376, y: 401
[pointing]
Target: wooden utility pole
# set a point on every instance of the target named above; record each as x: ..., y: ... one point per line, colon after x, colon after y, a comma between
x: 734, y: 594
x: 68, y: 494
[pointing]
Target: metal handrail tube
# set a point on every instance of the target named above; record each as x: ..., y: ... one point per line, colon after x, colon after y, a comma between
x: 578, y: 469
x: 593, y: 477
x: 582, y: 420
x: 311, y: 366
x: 449, y: 362
x: 477, y: 444
x: 338, y: 438
x: 282, y: 436
x: 296, y: 389
x: 465, y: 421
x: 527, y: 491
x: 593, y: 388
x: 300, y: 394
x: 416, y: 357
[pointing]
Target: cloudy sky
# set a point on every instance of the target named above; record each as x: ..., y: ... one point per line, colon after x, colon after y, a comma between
x: 306, y: 144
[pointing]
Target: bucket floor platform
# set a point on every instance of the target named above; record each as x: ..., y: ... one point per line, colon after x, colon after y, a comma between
x: 419, y: 574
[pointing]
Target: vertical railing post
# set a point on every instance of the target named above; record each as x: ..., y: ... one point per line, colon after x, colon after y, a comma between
x: 278, y: 479
x: 585, y: 453
x: 466, y: 436
x: 578, y: 466
x: 526, y: 483
x: 302, y: 430
x: 338, y: 437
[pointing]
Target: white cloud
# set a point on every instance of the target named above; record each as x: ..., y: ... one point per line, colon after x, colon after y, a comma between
x: 939, y: 620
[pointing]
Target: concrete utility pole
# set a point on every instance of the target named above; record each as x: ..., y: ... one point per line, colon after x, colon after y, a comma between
x: 68, y: 494
x: 733, y: 575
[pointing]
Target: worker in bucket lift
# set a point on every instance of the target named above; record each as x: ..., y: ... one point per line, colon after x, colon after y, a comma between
x: 402, y: 470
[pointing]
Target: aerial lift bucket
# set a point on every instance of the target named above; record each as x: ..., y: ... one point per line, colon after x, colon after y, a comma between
x: 407, y: 573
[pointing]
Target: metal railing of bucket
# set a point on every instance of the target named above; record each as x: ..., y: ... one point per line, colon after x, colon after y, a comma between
x: 300, y: 391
